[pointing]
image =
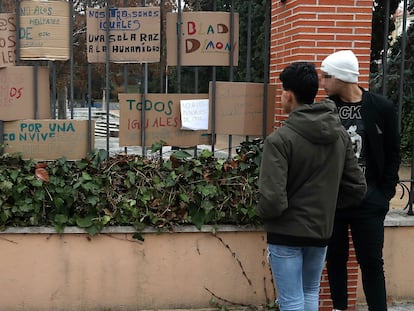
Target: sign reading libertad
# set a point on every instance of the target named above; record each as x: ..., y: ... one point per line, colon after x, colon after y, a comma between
x: 133, y: 34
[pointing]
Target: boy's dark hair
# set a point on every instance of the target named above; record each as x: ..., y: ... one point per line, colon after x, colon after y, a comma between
x: 302, y: 79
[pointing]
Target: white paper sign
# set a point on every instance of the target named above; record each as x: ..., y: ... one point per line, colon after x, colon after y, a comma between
x: 194, y: 114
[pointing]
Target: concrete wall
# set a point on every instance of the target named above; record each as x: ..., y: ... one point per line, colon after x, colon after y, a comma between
x: 113, y: 271
x: 398, y: 258
x: 42, y: 270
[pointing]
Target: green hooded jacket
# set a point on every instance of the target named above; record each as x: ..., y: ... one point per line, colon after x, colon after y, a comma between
x: 308, y: 168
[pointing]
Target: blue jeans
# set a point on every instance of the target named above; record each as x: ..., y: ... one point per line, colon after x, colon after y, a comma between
x: 297, y: 274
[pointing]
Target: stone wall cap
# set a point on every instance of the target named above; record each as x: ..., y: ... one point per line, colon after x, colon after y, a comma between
x: 394, y: 218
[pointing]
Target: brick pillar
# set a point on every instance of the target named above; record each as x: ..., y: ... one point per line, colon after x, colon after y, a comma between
x: 310, y: 30
x: 325, y: 302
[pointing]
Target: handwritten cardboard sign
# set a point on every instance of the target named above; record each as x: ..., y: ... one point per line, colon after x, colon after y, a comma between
x: 205, y: 39
x: 7, y: 39
x: 134, y: 35
x: 44, y: 30
x: 48, y: 139
x: 17, y: 93
x: 239, y: 108
x: 162, y: 120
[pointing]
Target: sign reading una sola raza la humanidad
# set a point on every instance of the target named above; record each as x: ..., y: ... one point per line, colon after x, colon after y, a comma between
x: 205, y: 38
x: 134, y: 35
x: 44, y: 30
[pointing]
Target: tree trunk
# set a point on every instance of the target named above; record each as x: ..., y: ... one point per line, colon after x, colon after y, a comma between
x: 62, y: 96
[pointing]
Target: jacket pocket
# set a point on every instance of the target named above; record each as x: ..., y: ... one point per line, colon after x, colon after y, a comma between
x: 376, y: 201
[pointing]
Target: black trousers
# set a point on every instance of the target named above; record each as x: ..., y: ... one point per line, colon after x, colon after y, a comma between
x: 367, y: 229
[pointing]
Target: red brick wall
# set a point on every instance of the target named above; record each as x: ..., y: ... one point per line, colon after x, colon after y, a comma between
x: 325, y: 302
x: 310, y: 30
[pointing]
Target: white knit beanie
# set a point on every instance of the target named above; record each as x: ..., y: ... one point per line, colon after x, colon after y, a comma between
x: 343, y: 65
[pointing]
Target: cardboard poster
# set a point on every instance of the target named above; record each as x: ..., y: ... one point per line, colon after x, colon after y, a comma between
x: 17, y: 93
x: 7, y: 39
x: 239, y: 108
x: 205, y: 39
x: 162, y: 120
x: 134, y: 35
x: 48, y: 139
x: 44, y: 30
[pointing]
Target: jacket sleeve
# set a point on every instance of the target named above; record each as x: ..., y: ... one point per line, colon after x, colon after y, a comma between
x: 272, y: 179
x: 392, y: 157
x: 352, y: 187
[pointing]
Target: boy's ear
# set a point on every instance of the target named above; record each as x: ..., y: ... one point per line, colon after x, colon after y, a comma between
x: 289, y: 95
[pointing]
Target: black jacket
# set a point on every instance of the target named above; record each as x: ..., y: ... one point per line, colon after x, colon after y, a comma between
x: 383, y: 159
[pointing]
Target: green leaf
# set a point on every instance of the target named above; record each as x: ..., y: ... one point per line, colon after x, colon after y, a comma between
x: 106, y: 219
x: 206, y: 154
x: 89, y: 186
x: 39, y: 196
x: 92, y: 200
x: 82, y: 164
x: 59, y: 227
x: 131, y: 177
x: 14, y: 174
x: 145, y: 198
x: 59, y: 202
x: 26, y: 207
x: 181, y: 154
x: 157, y: 146
x: 94, y: 229
x: 197, y: 217
x: 207, y: 205
x: 84, y: 222
x: 60, y: 219
x: 207, y: 190
x: 184, y: 197
x: 36, y: 183
x: 20, y: 188
x: 6, y: 185
x: 86, y: 176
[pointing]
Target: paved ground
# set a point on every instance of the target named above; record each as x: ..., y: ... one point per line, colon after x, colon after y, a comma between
x: 398, y: 213
x: 397, y: 307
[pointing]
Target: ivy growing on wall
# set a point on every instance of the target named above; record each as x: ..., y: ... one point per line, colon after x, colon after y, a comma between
x: 129, y: 190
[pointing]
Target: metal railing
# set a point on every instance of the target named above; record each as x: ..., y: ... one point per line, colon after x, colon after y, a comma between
x: 406, y: 184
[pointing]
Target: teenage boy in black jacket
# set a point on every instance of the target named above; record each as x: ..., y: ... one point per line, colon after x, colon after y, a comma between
x: 371, y: 121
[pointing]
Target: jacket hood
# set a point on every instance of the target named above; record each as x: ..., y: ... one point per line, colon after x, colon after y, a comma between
x: 318, y: 122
